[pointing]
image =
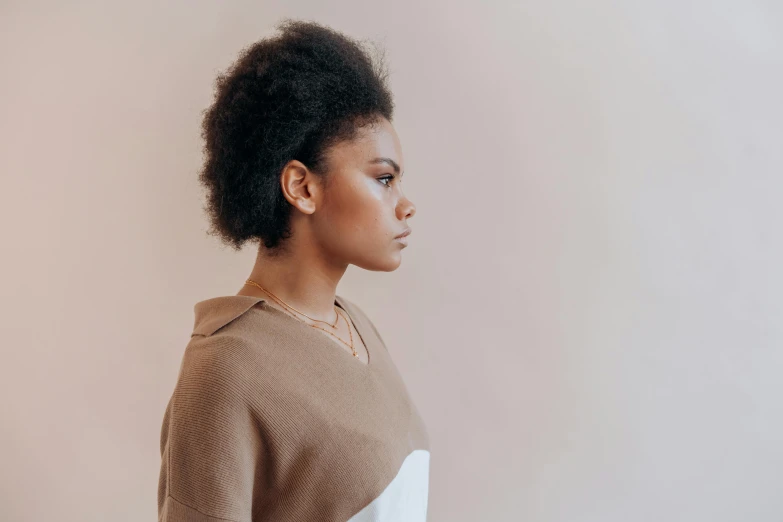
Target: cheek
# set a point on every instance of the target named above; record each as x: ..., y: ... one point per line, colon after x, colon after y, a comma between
x: 359, y: 210
x: 363, y: 219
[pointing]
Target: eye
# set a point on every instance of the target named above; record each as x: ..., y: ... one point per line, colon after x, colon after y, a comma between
x: 386, y: 178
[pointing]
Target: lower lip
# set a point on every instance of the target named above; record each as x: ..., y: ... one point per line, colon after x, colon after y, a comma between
x: 402, y: 240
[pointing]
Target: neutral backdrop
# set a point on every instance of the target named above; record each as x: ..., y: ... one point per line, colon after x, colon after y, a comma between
x: 588, y: 314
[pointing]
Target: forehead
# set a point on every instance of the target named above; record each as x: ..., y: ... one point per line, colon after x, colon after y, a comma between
x: 379, y: 140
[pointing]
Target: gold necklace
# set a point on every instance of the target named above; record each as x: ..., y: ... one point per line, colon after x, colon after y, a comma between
x: 250, y: 281
x: 281, y: 302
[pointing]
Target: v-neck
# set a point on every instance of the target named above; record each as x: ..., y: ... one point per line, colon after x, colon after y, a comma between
x: 343, y: 352
x: 370, y: 357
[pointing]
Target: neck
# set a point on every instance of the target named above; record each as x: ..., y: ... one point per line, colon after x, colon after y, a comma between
x: 304, y: 282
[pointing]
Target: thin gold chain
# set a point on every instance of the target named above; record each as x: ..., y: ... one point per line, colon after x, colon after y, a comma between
x: 283, y: 303
x: 250, y: 281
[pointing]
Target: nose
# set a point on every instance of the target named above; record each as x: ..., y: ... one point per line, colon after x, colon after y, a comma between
x: 405, y: 209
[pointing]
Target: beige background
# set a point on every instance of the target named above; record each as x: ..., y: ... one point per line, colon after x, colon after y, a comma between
x: 588, y: 315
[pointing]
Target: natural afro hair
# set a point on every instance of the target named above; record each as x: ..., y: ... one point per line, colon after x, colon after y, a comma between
x: 291, y: 96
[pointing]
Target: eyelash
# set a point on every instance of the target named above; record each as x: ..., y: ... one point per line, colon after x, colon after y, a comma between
x: 390, y: 178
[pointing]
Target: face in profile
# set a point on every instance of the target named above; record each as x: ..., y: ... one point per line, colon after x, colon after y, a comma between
x: 363, y: 209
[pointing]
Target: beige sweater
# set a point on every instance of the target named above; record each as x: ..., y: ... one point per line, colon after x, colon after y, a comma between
x: 272, y: 420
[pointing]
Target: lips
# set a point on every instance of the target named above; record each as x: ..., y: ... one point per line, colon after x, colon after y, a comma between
x: 406, y: 233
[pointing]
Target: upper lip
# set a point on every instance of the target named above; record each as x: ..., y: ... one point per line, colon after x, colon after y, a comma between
x: 404, y: 233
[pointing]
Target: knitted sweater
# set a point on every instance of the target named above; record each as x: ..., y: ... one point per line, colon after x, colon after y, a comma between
x: 272, y: 420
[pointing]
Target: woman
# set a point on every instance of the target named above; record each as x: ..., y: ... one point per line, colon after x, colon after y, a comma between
x: 288, y: 406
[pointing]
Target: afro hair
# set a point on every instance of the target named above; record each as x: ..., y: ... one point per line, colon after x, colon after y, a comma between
x: 291, y: 96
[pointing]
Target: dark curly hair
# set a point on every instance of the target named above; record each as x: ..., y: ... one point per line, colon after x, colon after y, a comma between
x: 291, y: 96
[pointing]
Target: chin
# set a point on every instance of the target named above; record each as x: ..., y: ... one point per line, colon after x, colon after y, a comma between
x: 389, y: 264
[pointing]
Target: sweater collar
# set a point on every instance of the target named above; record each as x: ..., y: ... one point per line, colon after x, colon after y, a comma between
x: 215, y: 313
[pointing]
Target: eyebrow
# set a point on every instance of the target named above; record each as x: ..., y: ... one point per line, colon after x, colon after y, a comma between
x: 390, y: 162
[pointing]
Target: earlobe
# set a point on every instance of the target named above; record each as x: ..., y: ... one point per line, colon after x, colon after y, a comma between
x: 305, y: 205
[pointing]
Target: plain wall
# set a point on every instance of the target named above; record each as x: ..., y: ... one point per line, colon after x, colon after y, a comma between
x: 588, y: 314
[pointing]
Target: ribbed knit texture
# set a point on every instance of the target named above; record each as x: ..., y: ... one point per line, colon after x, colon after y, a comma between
x: 271, y: 420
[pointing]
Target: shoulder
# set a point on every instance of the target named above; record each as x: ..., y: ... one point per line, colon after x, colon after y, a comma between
x: 227, y: 339
x: 216, y: 364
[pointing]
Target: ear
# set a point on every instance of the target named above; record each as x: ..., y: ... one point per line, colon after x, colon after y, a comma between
x: 300, y: 186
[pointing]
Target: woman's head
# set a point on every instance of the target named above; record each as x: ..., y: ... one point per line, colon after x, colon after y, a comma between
x: 290, y: 142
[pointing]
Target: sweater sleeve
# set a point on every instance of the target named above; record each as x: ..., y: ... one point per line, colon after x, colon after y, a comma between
x: 211, y: 451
